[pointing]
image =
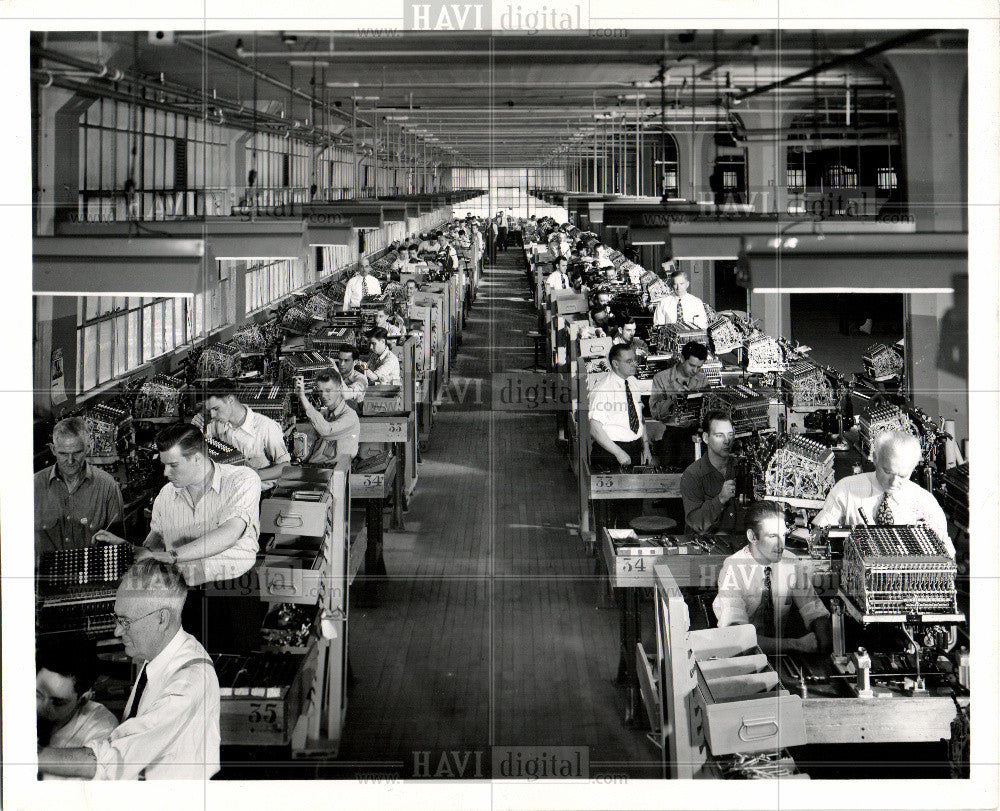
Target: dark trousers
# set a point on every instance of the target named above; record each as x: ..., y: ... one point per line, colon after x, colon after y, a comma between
x: 619, y: 511
x: 675, y: 450
x: 502, y: 240
x: 225, y: 616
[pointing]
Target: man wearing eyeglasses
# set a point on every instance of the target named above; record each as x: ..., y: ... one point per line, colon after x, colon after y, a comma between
x: 170, y: 730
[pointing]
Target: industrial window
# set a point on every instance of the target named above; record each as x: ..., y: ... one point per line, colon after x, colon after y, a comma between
x: 282, y: 167
x: 730, y: 179
x: 116, y: 334
x: 178, y: 164
x: 841, y: 177
x: 670, y: 181
x: 269, y: 280
x: 795, y: 178
x: 886, y: 178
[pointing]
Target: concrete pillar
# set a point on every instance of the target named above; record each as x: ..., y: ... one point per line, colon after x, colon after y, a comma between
x: 767, y: 161
x: 59, y: 156
x: 693, y: 167
x: 932, y: 99
x: 774, y: 313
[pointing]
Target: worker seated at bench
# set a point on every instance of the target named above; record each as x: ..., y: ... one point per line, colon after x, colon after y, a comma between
x: 759, y: 584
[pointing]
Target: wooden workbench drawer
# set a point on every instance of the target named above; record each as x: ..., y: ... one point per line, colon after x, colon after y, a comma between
x: 744, y: 708
x: 293, y: 516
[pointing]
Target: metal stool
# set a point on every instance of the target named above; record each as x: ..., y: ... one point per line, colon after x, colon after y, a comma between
x: 652, y: 524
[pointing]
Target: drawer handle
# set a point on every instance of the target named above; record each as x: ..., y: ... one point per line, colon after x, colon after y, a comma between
x: 284, y: 520
x: 748, y: 724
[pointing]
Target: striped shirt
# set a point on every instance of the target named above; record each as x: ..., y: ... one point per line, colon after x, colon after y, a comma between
x: 910, y: 505
x: 233, y: 493
x: 259, y: 439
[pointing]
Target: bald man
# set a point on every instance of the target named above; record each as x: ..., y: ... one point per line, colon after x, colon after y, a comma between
x: 886, y: 496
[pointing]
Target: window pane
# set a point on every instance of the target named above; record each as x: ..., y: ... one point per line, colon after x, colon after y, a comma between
x: 147, y: 332
x: 157, y: 329
x: 134, y: 347
x: 104, y: 351
x: 89, y: 358
x: 168, y: 326
x: 121, y: 328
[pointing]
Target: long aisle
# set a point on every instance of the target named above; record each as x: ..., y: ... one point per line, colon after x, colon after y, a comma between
x: 488, y: 632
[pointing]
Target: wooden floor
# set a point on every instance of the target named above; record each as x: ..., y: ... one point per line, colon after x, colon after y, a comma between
x: 488, y: 632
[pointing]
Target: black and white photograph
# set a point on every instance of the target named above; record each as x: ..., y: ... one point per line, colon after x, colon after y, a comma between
x: 501, y: 405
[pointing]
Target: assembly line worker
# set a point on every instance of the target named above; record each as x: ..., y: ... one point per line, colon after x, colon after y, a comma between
x: 257, y: 437
x: 206, y: 520
x: 336, y: 422
x: 708, y: 485
x: 680, y: 306
x: 171, y: 726
x: 73, y: 499
x: 361, y: 284
x: 382, y: 366
x: 557, y: 279
x: 670, y: 388
x: 758, y: 585
x: 65, y: 674
x: 886, y: 496
x: 616, y: 425
x: 355, y: 382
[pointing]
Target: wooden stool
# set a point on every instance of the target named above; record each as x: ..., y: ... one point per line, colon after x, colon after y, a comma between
x: 537, y: 338
x: 652, y: 524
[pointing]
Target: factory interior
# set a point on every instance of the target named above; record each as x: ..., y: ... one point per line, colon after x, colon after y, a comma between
x: 575, y: 411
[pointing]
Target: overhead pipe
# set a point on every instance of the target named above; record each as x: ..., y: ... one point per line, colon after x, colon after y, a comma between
x: 864, y: 53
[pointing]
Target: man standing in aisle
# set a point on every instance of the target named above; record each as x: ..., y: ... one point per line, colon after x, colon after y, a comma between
x: 257, y: 437
x: 616, y: 425
x: 501, y: 232
x: 73, y: 499
x: 171, y: 726
x: 680, y: 307
x: 361, y: 284
x: 708, y: 486
x: 886, y: 496
x: 336, y: 424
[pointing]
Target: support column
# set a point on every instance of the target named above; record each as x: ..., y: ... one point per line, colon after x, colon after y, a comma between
x: 692, y: 168
x: 774, y: 312
x: 932, y: 99
x: 767, y: 161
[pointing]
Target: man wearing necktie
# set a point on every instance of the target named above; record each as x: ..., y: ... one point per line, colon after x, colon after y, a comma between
x: 557, y: 279
x: 616, y: 425
x: 887, y: 496
x: 759, y: 584
x: 170, y: 729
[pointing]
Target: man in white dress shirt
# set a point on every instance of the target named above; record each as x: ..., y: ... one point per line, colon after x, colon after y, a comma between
x: 616, y: 425
x: 557, y: 279
x: 759, y: 584
x: 382, y: 366
x: 257, y: 437
x: 680, y: 306
x: 171, y: 726
x: 886, y: 496
x: 361, y: 284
